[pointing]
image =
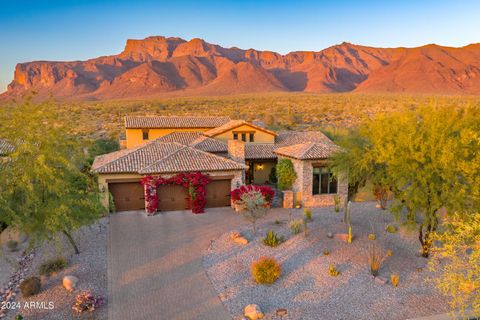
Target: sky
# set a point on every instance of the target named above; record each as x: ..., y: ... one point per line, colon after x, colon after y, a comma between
x: 79, y: 30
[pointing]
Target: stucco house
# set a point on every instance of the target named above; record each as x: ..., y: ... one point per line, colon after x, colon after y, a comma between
x: 231, y: 152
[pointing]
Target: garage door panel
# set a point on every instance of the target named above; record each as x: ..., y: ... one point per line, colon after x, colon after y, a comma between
x: 127, y: 196
x: 171, y: 198
x: 218, y: 193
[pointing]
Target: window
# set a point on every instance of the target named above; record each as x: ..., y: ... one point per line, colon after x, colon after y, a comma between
x: 145, y: 134
x: 251, y: 137
x: 235, y: 136
x: 244, y: 137
x: 323, y: 181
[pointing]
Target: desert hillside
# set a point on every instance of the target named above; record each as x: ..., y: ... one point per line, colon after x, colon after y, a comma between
x: 160, y: 66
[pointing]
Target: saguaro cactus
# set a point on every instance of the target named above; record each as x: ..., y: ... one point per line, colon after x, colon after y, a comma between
x: 349, y: 210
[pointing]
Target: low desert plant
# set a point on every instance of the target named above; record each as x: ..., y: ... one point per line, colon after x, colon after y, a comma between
x: 272, y: 239
x: 86, y: 301
x: 389, y: 253
x: 296, y: 226
x: 278, y: 222
x: 266, y: 270
x: 375, y: 260
x: 30, y: 286
x: 307, y: 214
x: 350, y: 235
x: 394, y: 278
x: 12, y: 245
x: 390, y: 228
x: 332, y: 270
x: 51, y: 266
x: 372, y: 236
x: 326, y: 252
x: 255, y: 207
x: 336, y: 201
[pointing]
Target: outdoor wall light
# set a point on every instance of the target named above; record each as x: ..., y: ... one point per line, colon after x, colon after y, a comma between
x: 259, y: 167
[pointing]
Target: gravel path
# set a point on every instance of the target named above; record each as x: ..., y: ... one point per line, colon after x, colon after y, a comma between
x: 306, y: 290
x: 90, y: 267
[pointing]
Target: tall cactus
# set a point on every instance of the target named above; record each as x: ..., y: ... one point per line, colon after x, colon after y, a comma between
x: 349, y: 211
x: 345, y: 207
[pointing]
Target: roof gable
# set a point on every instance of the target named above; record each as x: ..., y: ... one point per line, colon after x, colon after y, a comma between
x: 308, y: 151
x: 233, y: 124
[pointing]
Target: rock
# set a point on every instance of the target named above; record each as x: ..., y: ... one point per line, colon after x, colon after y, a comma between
x: 253, y: 312
x: 241, y: 240
x: 380, y: 280
x: 341, y: 236
x: 234, y: 235
x: 281, y: 312
x: 330, y: 235
x: 70, y: 282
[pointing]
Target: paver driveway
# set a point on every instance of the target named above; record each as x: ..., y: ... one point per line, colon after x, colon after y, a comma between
x: 155, y: 265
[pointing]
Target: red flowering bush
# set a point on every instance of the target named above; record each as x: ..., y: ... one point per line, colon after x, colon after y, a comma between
x: 266, y: 191
x: 193, y: 182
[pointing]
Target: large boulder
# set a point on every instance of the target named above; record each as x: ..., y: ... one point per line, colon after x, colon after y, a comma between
x: 253, y: 312
x: 70, y: 282
x: 241, y: 240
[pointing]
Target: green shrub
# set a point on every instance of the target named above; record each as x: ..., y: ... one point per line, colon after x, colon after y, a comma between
x: 307, y: 213
x: 375, y: 260
x: 272, y: 239
x: 326, y: 252
x: 286, y: 174
x: 266, y: 270
x: 296, y: 226
x: 53, y: 265
x: 336, y: 200
x: 30, y: 286
x: 12, y: 245
x: 332, y: 270
x: 111, y: 204
x: 391, y: 228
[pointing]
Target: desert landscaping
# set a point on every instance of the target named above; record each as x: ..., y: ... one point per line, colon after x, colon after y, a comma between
x: 306, y: 289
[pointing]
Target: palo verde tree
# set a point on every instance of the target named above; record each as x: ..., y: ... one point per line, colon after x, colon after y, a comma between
x: 45, y: 189
x: 428, y: 158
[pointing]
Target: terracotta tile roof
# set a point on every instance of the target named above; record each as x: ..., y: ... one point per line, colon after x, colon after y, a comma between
x: 5, y: 147
x: 161, y: 157
x: 196, y: 140
x: 308, y: 150
x: 190, y: 159
x: 232, y: 124
x: 260, y: 151
x: 174, y: 122
x: 286, y: 138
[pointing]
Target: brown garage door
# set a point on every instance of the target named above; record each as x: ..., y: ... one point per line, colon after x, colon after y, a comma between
x: 218, y: 193
x: 127, y: 196
x: 171, y: 198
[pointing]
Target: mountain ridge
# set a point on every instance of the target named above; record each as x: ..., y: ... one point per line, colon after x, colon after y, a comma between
x: 157, y: 66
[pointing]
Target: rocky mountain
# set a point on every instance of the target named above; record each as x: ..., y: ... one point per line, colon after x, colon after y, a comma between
x: 159, y: 66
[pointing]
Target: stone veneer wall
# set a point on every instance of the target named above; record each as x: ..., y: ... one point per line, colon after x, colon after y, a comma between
x: 303, y: 185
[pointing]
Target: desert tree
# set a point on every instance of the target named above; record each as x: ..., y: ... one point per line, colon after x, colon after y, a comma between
x: 256, y: 207
x: 456, y: 258
x: 45, y: 188
x: 286, y: 174
x: 427, y: 157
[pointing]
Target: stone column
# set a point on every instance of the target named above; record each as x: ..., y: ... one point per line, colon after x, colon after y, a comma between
x: 236, y: 151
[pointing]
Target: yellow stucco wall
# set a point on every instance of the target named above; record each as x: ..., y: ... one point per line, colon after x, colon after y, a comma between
x: 259, y: 136
x: 135, y: 136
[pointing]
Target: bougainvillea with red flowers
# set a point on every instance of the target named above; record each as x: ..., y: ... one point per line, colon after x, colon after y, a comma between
x: 194, y: 183
x: 266, y: 191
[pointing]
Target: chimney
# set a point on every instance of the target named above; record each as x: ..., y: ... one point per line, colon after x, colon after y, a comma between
x: 236, y: 150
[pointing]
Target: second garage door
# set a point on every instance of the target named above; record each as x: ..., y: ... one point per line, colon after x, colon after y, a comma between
x: 218, y: 193
x: 127, y: 196
x: 172, y: 198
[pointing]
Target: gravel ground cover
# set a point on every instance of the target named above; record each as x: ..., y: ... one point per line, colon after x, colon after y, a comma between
x: 306, y: 289
x: 90, y: 267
